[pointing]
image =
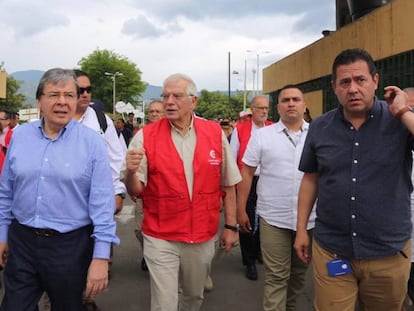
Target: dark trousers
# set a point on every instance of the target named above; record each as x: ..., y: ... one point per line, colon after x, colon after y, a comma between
x: 250, y: 242
x: 57, y: 264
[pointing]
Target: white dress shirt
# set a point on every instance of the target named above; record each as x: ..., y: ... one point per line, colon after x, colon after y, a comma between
x: 279, y: 181
x: 115, y: 151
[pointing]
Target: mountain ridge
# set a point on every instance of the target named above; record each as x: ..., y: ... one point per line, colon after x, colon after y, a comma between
x: 29, y: 79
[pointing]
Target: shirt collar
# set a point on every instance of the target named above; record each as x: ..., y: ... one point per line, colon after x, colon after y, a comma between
x: 66, y: 128
x: 376, y: 108
x: 280, y: 126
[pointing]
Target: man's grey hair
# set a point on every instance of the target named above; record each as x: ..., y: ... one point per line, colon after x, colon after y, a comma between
x: 191, y: 87
x: 55, y: 76
x: 254, y: 99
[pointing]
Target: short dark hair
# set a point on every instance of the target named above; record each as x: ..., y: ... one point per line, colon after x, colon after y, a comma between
x: 7, y: 114
x: 80, y: 73
x: 289, y: 86
x: 350, y: 56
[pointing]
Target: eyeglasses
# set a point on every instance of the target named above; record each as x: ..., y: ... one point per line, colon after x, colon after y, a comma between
x: 176, y: 96
x: 54, y: 96
x: 261, y: 108
x: 87, y: 89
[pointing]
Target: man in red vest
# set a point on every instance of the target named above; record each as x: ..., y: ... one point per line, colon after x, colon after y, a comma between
x: 181, y: 167
x: 250, y: 242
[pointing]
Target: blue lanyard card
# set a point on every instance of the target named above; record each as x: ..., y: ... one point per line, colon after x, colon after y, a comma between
x: 338, y: 267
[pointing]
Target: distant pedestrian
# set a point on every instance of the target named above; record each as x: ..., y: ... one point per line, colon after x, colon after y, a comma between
x: 250, y: 239
x: 123, y: 131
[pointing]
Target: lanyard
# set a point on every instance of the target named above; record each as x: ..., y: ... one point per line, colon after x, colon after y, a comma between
x: 289, y: 137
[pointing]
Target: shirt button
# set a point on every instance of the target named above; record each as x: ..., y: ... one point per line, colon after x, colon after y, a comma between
x: 354, y: 179
x: 352, y: 198
x: 357, y: 144
x: 354, y: 234
x: 355, y: 161
x: 353, y: 216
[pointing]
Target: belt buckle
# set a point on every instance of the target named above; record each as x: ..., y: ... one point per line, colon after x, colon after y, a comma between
x: 44, y: 232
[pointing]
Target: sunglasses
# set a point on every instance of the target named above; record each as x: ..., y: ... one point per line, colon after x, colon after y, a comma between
x: 87, y: 89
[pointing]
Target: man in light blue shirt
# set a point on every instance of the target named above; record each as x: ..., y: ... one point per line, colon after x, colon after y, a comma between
x: 56, y: 205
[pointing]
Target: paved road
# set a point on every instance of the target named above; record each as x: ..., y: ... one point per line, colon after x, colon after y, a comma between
x: 129, y: 287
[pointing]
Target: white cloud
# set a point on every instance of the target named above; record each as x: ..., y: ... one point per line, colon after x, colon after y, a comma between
x: 193, y: 37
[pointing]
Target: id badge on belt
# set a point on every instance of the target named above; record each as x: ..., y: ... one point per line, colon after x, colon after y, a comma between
x: 338, y: 267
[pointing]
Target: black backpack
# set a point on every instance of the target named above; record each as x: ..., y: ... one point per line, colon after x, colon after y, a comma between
x: 101, y: 118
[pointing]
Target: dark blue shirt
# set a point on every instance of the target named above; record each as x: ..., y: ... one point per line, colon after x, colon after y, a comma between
x: 364, y: 185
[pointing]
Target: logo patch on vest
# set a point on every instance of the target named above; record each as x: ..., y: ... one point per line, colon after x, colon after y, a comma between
x: 212, y: 160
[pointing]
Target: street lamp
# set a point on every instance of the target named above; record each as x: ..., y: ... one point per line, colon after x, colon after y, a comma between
x: 113, y: 77
x: 257, y: 67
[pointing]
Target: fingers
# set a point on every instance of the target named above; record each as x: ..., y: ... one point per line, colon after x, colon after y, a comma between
x: 134, y: 158
x: 93, y: 289
x: 245, y: 226
x: 3, y: 260
x: 303, y: 254
x: 392, y: 92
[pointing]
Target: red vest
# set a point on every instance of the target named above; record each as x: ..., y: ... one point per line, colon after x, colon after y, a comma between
x: 7, y: 137
x: 244, y: 131
x: 169, y: 213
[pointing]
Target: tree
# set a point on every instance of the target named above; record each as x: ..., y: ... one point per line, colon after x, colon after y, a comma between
x: 215, y: 105
x: 14, y: 100
x: 129, y: 85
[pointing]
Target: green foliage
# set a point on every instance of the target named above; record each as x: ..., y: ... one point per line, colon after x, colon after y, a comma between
x: 128, y: 87
x: 14, y: 100
x: 215, y: 105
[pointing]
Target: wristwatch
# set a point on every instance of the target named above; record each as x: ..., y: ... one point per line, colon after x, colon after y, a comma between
x: 122, y: 195
x: 233, y: 228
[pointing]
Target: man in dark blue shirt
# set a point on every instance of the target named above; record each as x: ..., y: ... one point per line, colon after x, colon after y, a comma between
x: 357, y: 163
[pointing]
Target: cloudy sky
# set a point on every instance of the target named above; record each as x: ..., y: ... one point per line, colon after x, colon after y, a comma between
x: 162, y: 36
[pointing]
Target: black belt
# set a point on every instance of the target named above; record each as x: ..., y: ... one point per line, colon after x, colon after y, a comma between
x: 48, y: 232
x: 44, y: 232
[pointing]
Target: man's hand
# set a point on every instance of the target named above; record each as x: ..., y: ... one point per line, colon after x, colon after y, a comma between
x: 244, y: 221
x: 133, y: 159
x: 301, y: 246
x: 229, y: 239
x: 395, y: 98
x: 119, y: 203
x: 97, y: 279
x: 4, y: 248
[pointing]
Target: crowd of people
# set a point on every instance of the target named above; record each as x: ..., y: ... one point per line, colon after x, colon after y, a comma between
x: 331, y: 192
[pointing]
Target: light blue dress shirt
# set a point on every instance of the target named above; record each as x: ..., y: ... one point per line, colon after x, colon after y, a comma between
x: 63, y: 183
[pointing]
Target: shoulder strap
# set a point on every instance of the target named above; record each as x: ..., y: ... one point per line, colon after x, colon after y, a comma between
x: 101, y: 118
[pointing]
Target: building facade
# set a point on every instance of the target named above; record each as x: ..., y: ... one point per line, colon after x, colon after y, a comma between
x: 386, y: 33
